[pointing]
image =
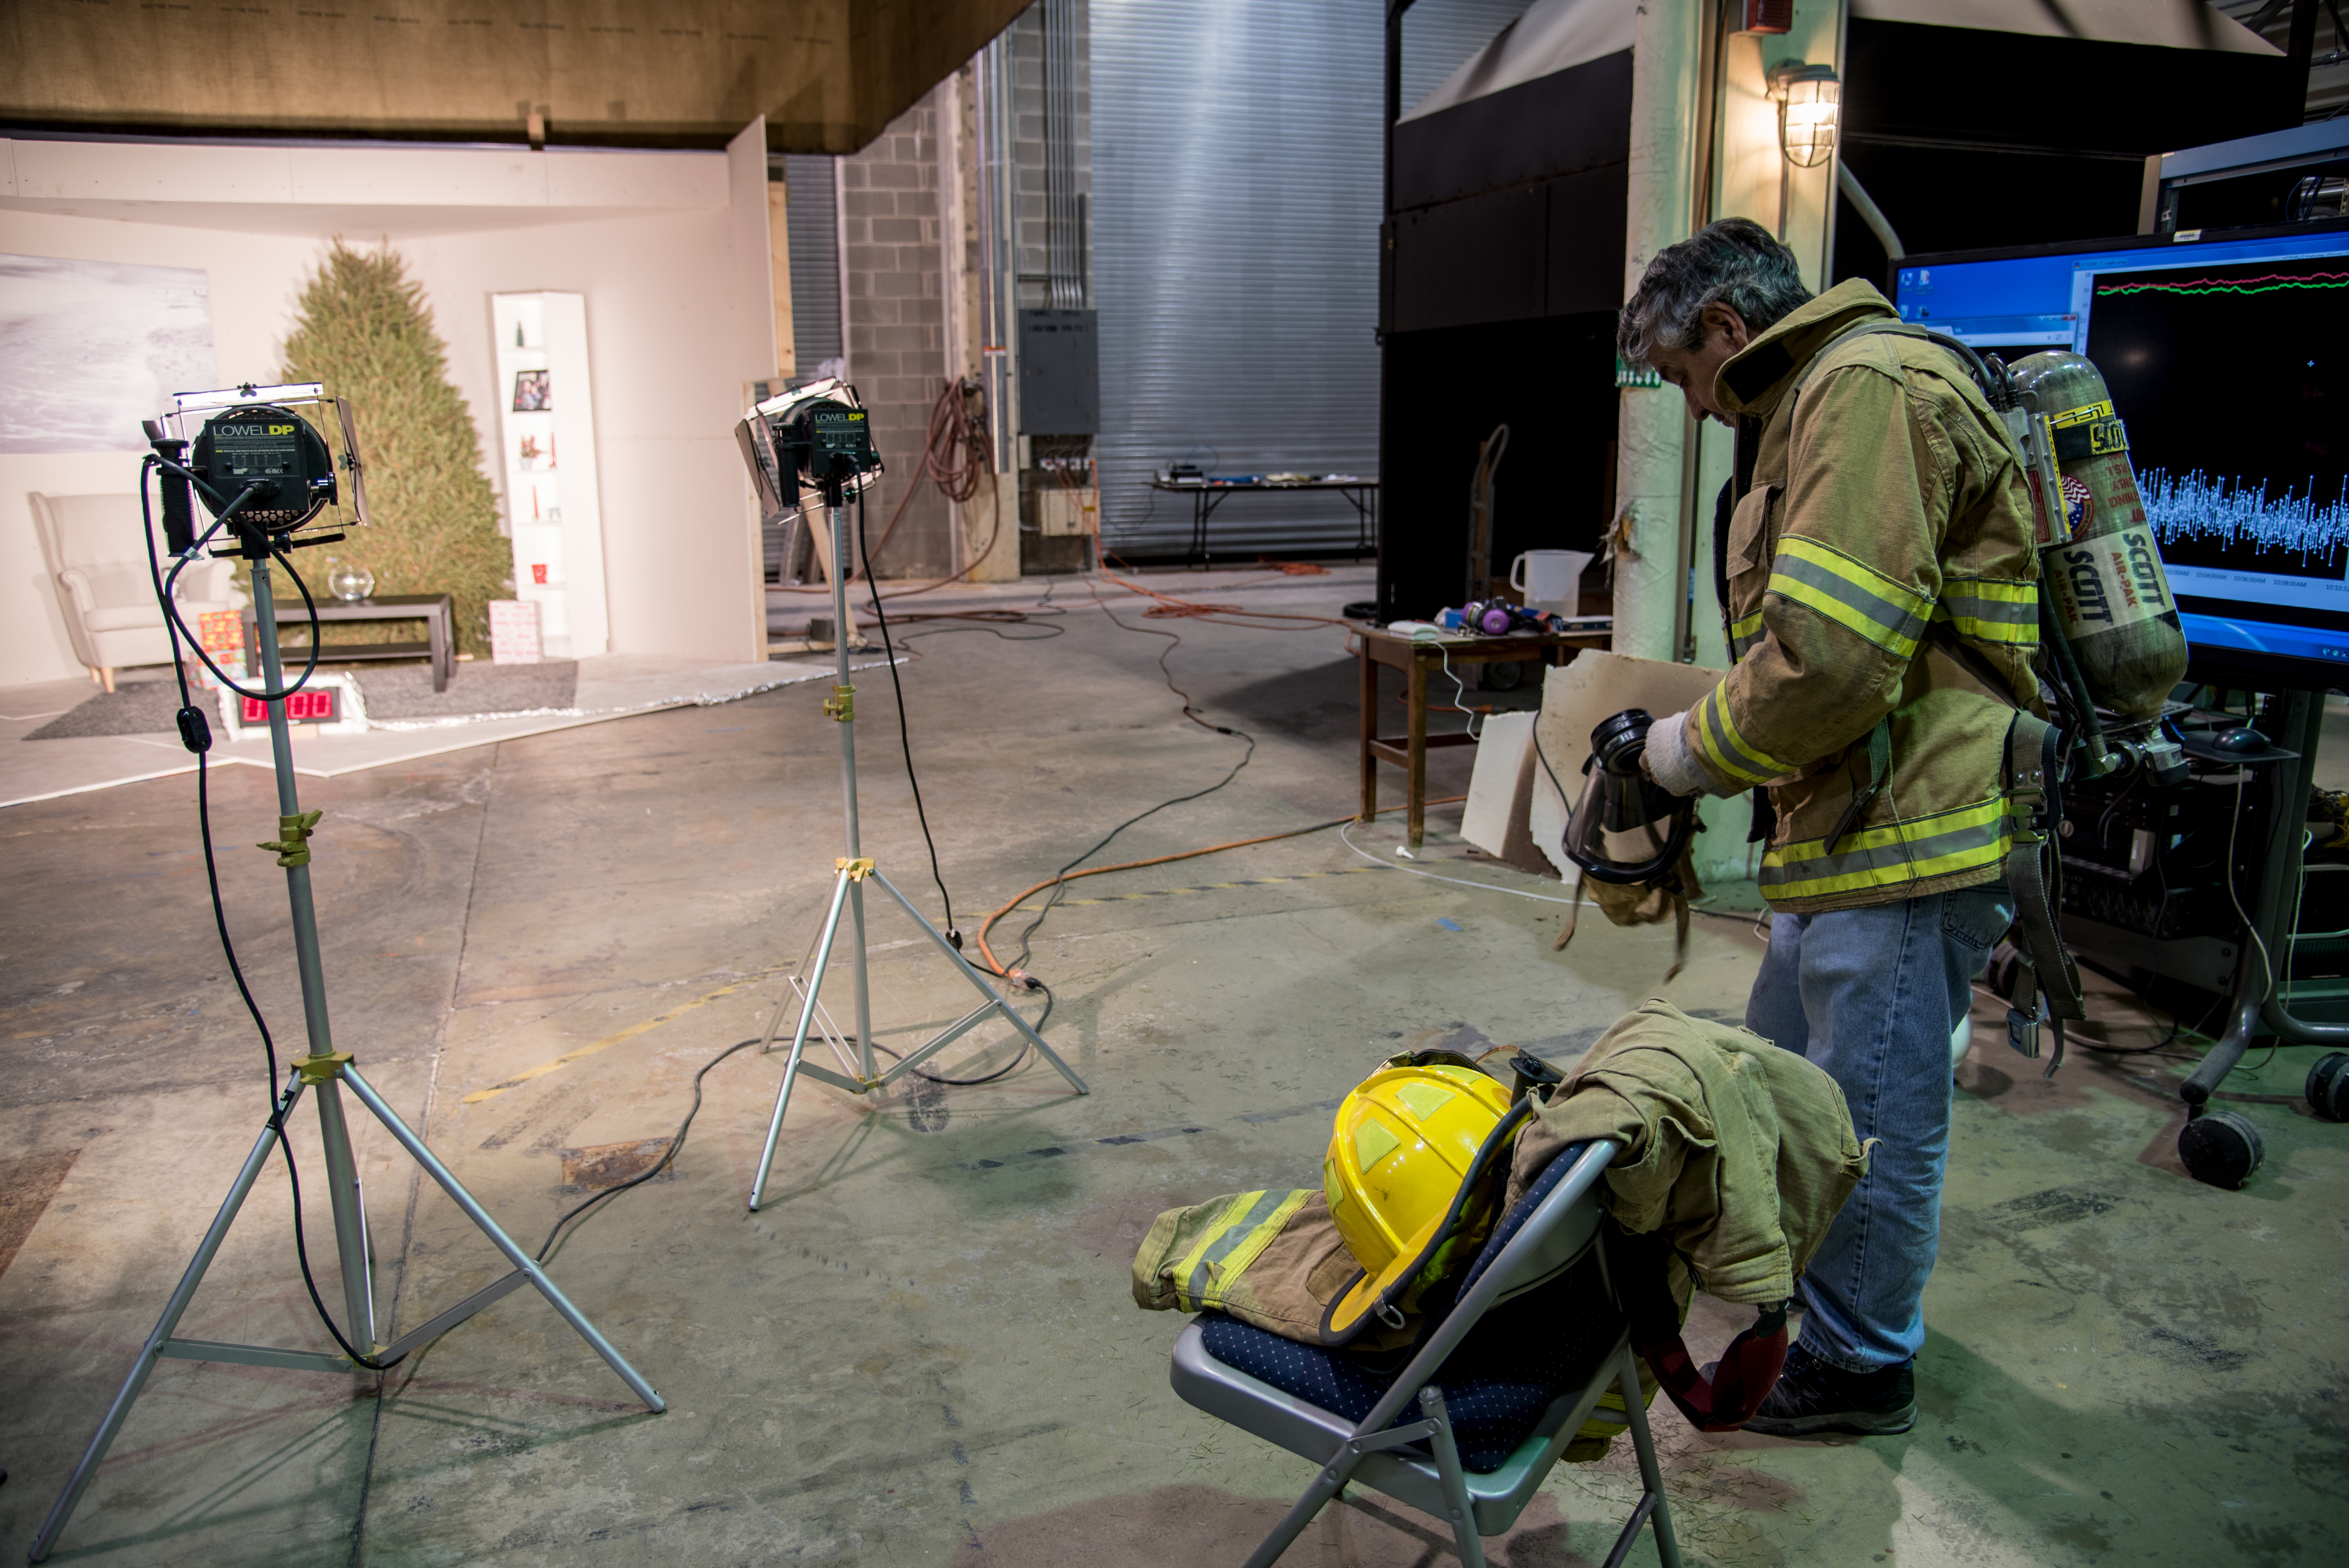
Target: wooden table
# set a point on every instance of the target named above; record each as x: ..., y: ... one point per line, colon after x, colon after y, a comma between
x: 433, y: 609
x: 1208, y: 494
x: 1417, y: 657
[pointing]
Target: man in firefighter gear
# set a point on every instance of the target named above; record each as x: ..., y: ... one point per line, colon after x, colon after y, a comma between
x: 1876, y: 558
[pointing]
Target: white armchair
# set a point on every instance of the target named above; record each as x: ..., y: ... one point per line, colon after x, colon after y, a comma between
x: 98, y: 569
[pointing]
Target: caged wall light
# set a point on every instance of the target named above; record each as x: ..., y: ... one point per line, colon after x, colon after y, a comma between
x: 1808, y: 99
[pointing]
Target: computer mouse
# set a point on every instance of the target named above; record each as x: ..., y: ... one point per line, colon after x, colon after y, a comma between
x: 2240, y: 739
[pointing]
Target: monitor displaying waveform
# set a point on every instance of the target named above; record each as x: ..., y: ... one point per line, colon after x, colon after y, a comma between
x: 2234, y: 382
x: 2240, y: 525
x: 2258, y: 284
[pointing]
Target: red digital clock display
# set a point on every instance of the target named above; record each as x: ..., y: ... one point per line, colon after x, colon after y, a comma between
x: 314, y: 705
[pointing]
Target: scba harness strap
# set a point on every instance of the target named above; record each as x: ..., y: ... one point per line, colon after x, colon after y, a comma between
x: 2047, y: 981
x: 2034, y: 874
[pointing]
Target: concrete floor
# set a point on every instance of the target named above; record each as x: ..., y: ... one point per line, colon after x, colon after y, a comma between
x: 923, y: 1351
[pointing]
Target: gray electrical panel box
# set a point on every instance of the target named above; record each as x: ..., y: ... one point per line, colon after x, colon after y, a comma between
x: 1059, y: 373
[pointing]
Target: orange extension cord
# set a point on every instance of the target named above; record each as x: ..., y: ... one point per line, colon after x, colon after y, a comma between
x: 997, y: 965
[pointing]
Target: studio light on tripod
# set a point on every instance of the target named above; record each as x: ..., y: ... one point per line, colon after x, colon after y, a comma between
x: 812, y: 446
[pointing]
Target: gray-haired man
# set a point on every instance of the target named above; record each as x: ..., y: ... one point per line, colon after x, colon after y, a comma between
x: 1875, y: 495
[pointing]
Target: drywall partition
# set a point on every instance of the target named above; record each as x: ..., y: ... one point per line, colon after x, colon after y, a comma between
x: 645, y: 237
x: 759, y: 341
x: 252, y: 280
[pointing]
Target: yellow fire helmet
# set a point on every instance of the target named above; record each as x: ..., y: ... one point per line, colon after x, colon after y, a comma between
x: 1410, y: 1145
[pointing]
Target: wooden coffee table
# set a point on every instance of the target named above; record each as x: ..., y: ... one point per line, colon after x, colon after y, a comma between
x: 435, y: 610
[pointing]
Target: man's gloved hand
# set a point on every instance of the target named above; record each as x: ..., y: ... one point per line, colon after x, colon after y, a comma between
x: 1667, y: 759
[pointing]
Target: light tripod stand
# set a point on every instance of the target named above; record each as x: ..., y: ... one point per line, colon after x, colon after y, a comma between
x: 327, y: 1072
x: 851, y: 872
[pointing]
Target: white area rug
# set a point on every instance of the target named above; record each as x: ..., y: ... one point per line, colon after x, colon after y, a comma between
x: 611, y: 686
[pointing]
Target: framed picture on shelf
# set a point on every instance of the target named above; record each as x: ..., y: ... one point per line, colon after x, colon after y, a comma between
x: 532, y: 394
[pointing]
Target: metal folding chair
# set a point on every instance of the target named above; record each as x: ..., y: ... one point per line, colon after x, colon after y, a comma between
x: 1417, y: 1460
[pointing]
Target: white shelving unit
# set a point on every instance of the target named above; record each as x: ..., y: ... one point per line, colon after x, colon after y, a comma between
x: 546, y: 433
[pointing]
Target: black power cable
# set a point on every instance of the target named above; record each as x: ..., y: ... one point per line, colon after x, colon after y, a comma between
x: 1059, y: 883
x: 906, y: 741
x: 168, y: 588
x: 198, y: 736
x: 666, y: 1161
x: 905, y: 738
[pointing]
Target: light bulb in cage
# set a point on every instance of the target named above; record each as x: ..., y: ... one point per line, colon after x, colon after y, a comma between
x: 1809, y: 99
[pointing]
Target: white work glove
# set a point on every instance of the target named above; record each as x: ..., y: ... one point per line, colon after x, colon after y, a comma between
x: 1669, y: 762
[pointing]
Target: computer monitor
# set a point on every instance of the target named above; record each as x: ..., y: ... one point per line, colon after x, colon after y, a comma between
x: 2227, y: 357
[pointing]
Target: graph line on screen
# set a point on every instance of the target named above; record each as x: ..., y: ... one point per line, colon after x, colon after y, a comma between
x: 2194, y: 508
x: 2265, y: 282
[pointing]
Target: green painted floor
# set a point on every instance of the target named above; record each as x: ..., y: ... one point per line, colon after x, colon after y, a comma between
x: 923, y: 1351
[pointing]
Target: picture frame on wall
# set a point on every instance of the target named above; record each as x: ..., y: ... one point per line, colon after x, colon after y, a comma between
x: 532, y: 392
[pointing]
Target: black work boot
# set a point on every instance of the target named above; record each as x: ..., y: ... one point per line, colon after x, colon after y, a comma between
x: 1813, y: 1398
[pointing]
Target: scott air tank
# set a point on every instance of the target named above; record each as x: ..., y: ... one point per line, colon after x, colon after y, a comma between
x: 2100, y: 563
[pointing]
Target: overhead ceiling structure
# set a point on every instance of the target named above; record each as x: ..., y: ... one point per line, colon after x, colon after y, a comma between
x: 828, y: 75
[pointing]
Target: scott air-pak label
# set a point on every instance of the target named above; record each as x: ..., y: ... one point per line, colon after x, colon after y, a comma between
x: 2111, y: 581
x: 2091, y: 430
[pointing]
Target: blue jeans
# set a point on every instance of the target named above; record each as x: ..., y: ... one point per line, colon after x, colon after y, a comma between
x: 1871, y: 995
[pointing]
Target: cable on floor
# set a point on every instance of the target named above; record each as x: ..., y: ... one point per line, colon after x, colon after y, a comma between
x: 979, y: 622
x: 1061, y: 879
x: 988, y: 924
x: 1059, y: 882
x: 675, y: 1143
x: 1174, y: 641
x: 1175, y: 604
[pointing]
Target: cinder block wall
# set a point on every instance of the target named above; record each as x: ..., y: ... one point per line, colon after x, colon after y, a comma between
x: 894, y: 301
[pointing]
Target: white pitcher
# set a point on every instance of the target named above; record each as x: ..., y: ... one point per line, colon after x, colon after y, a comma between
x: 1551, y: 579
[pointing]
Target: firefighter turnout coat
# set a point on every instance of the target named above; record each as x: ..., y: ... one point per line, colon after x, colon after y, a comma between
x: 1878, y: 496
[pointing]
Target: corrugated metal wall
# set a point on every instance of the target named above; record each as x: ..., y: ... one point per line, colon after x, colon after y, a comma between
x: 811, y: 210
x: 1236, y: 168
x: 1235, y: 180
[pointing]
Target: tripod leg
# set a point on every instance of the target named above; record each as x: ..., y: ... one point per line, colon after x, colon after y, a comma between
x: 504, y: 1243
x: 979, y: 983
x: 350, y: 1218
x: 799, y: 1039
x: 149, y: 1352
x: 864, y: 1063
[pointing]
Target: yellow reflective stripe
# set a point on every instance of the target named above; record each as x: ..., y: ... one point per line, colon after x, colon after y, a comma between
x: 1743, y: 634
x: 1964, y: 839
x: 1234, y: 1212
x: 1858, y: 598
x: 1717, y: 737
x: 1992, y: 610
x: 1225, y: 1250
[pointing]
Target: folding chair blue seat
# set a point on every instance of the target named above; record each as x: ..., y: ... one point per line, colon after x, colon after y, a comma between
x: 1504, y: 1373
